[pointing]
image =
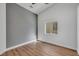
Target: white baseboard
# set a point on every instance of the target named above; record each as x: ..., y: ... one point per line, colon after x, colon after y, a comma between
x: 78, y: 52
x: 7, y: 49
x: 57, y: 44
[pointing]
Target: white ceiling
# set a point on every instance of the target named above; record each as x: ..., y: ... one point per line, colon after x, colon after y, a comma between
x: 36, y: 7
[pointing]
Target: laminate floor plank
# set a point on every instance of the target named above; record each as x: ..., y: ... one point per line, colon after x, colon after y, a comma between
x: 40, y: 49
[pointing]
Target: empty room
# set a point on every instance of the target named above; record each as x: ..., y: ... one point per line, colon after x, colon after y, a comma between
x: 39, y: 29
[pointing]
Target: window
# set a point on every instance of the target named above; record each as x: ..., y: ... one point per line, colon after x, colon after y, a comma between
x: 51, y: 27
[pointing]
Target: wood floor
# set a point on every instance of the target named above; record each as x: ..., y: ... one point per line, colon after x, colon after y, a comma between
x: 40, y: 49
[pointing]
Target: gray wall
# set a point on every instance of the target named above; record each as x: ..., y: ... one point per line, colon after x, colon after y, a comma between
x: 21, y: 25
x: 78, y: 29
x: 2, y: 26
x: 66, y: 16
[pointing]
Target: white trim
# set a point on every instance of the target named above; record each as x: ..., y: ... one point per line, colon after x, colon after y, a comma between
x: 7, y: 49
x: 77, y: 52
x: 78, y: 29
x: 57, y: 44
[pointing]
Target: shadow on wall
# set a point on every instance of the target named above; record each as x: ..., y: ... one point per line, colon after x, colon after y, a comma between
x: 20, y: 24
